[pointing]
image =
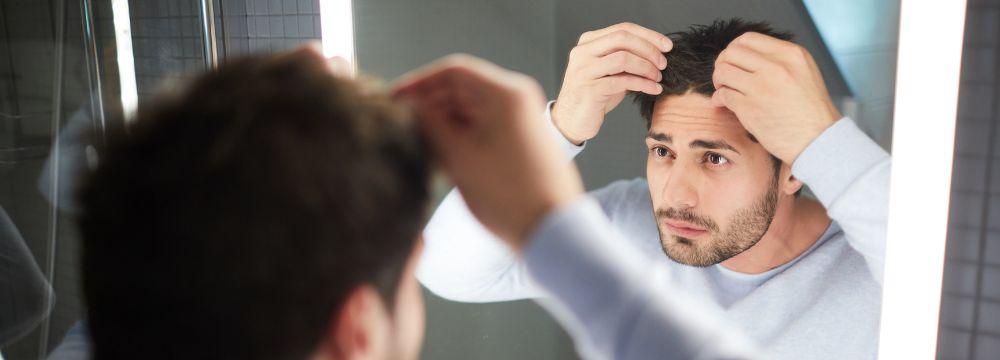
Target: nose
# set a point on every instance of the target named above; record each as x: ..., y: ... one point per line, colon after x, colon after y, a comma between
x: 680, y: 191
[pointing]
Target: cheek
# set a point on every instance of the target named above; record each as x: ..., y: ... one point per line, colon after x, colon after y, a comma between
x: 656, y: 176
x: 410, y: 317
x: 722, y: 196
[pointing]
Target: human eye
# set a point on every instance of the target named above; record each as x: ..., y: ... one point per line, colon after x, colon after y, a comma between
x: 714, y: 159
x: 661, y: 152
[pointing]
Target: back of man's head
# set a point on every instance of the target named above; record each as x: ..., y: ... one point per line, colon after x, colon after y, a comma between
x: 235, y: 217
x: 691, y: 62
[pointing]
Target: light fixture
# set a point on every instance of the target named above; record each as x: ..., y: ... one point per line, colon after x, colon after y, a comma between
x: 126, y: 63
x: 927, y: 79
x: 337, y: 26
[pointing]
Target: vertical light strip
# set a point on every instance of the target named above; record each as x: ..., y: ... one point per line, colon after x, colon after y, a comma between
x: 337, y: 23
x: 927, y: 79
x: 126, y: 63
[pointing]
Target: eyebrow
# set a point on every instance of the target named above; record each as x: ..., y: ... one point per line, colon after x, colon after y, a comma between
x: 704, y: 144
x: 658, y: 136
x: 713, y: 144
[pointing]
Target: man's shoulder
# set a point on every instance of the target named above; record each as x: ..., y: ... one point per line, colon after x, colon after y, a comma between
x: 843, y: 263
x: 623, y: 188
x: 624, y: 197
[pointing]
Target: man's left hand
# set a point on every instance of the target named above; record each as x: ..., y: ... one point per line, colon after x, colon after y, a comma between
x: 776, y: 90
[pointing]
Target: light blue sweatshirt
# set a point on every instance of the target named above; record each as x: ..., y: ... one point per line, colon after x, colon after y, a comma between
x: 822, y: 305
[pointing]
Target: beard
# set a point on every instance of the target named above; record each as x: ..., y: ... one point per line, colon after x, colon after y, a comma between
x: 747, y: 226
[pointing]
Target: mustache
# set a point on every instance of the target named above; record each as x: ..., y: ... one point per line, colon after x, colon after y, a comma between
x: 687, y: 216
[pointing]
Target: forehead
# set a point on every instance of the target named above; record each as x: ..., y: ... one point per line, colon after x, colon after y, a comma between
x: 693, y: 115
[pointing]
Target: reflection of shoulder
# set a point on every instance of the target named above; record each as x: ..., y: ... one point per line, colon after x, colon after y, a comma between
x: 846, y: 266
x: 624, y: 197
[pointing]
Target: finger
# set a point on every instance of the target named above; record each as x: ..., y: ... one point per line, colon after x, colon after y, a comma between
x: 729, y: 98
x: 624, y: 41
x: 662, y: 42
x: 617, y: 84
x: 744, y: 58
x: 726, y: 75
x: 623, y: 62
x: 435, y: 120
x: 764, y: 44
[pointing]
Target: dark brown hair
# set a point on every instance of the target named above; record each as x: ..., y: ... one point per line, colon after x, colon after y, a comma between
x: 691, y: 62
x: 234, y: 218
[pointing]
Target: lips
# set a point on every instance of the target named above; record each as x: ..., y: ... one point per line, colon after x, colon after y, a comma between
x: 684, y: 229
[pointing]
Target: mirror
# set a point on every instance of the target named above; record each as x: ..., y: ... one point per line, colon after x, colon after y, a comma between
x: 70, y: 66
x: 854, y: 45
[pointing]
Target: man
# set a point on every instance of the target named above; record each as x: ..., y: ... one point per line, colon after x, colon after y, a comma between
x: 246, y: 218
x: 738, y: 120
x: 272, y: 211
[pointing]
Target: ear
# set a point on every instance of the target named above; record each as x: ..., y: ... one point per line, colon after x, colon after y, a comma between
x: 788, y: 184
x: 360, y: 327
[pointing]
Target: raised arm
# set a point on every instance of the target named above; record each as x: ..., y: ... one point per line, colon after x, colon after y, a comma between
x: 462, y: 260
x: 776, y: 90
x: 849, y: 173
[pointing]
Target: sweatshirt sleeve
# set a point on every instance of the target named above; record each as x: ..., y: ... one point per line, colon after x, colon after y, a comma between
x: 849, y: 173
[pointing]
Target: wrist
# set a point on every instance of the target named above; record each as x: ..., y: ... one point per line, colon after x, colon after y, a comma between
x: 814, y: 134
x: 560, y: 125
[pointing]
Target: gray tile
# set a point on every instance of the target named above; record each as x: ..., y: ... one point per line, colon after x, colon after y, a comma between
x: 953, y: 344
x: 992, y: 253
x: 975, y: 100
x: 972, y: 136
x: 983, y: 26
x: 993, y: 221
x: 959, y: 279
x: 963, y: 244
x: 957, y: 311
x: 305, y: 23
x: 275, y: 7
x: 291, y: 28
x: 969, y: 171
x: 987, y: 347
x: 979, y: 64
x: 276, y: 26
x: 990, y: 288
x: 290, y: 6
x: 308, y: 6
x: 262, y: 26
x: 260, y: 7
x: 235, y: 7
x: 965, y: 209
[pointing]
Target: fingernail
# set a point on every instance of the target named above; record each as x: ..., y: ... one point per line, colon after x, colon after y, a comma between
x: 662, y: 62
x: 667, y: 45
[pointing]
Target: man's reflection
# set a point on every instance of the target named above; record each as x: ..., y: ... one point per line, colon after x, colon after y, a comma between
x: 738, y: 120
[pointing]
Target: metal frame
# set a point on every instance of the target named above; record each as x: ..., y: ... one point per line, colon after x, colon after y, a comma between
x: 208, y: 33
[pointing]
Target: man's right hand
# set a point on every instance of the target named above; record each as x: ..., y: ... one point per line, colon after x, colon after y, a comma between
x: 483, y: 125
x: 604, y: 65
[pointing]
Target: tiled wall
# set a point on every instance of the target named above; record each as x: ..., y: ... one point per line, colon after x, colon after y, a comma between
x: 167, y: 43
x: 970, y: 303
x: 168, y: 38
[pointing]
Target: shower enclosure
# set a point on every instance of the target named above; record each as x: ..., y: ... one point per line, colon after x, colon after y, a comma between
x: 71, y: 71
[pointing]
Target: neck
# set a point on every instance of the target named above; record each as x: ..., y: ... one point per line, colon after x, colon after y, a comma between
x: 798, y: 223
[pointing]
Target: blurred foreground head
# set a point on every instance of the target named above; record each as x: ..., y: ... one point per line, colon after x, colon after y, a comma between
x: 271, y: 210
